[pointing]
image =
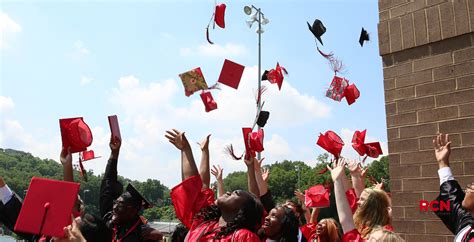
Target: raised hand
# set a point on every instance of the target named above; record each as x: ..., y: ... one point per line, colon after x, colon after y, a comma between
x: 217, y: 172
x: 337, y: 171
x: 266, y: 174
x: 178, y: 139
x: 205, y: 143
x: 379, y: 185
x: 115, y: 143
x: 66, y: 157
x: 354, y: 168
x: 250, y: 161
x: 300, y: 196
x: 2, y: 182
x: 442, y: 147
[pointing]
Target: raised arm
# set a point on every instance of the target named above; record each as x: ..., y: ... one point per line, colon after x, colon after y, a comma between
x: 343, y: 209
x: 188, y: 165
x: 110, y: 187
x: 217, y: 172
x: 300, y: 196
x: 357, y: 177
x: 314, y: 215
x: 457, y: 218
x: 66, y: 160
x: 262, y: 185
x: 252, y: 181
x: 204, y: 167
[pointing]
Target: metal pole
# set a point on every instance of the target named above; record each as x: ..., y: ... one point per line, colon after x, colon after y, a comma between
x: 259, y: 65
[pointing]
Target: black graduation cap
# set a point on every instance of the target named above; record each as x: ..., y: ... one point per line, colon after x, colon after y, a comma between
x: 262, y: 118
x: 364, y: 36
x: 136, y: 199
x: 264, y: 75
x: 317, y: 29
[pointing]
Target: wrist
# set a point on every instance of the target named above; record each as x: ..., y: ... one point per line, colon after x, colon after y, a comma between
x: 356, y: 175
x: 114, y: 154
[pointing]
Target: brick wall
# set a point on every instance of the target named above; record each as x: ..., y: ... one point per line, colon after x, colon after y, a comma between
x: 427, y: 48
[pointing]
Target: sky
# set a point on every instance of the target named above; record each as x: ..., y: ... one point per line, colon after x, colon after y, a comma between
x: 91, y: 59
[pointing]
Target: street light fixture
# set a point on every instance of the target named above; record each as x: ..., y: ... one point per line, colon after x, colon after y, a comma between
x: 258, y: 17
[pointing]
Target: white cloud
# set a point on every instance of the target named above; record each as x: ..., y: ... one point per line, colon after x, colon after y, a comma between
x: 6, y: 104
x: 8, y: 28
x: 79, y: 51
x: 147, y: 110
x: 85, y: 80
x: 215, y: 50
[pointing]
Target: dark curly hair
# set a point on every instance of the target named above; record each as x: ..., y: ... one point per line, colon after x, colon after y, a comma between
x: 249, y: 217
x: 179, y: 233
x: 289, y: 226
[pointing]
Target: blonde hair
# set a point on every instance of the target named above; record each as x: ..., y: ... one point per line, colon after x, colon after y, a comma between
x: 373, y: 212
x: 332, y: 229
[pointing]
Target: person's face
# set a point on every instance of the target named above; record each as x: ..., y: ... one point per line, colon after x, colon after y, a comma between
x: 122, y: 212
x: 322, y: 228
x: 468, y: 202
x: 273, y: 222
x: 363, y: 196
x: 231, y: 202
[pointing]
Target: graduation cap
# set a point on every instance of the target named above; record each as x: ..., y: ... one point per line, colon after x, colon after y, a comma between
x: 351, y: 93
x: 231, y: 74
x: 133, y: 197
x: 75, y: 133
x: 337, y: 88
x: 275, y: 76
x: 265, y: 75
x: 193, y: 81
x: 208, y: 101
x: 114, y: 126
x: 331, y: 142
x: 358, y: 140
x: 317, y: 29
x: 374, y: 149
x: 47, y: 207
x: 248, y: 150
x: 317, y: 196
x: 256, y: 140
x: 262, y: 118
x: 218, y: 16
x: 364, y: 36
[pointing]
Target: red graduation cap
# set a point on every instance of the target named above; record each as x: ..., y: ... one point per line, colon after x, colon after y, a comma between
x: 219, y: 15
x: 276, y: 75
x: 317, y: 196
x: 208, y: 101
x: 88, y: 155
x: 256, y: 141
x: 248, y: 150
x: 337, y: 88
x: 231, y: 74
x: 358, y: 142
x: 193, y: 81
x: 373, y: 149
x: 331, y: 142
x: 114, y: 126
x: 75, y: 134
x: 351, y: 93
x: 47, y: 207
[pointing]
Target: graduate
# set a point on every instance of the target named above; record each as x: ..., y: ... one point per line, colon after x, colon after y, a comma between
x: 460, y: 219
x: 120, y: 210
x: 235, y: 216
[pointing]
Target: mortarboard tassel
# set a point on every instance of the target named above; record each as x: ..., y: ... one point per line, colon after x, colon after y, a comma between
x: 207, y: 36
x: 230, y: 151
x: 216, y: 86
x: 336, y: 64
x: 260, y: 92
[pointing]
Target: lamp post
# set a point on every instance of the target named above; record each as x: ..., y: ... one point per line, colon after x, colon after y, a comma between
x: 85, y: 192
x: 260, y: 18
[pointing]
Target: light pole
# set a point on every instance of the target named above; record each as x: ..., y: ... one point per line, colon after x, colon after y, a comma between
x: 260, y: 18
x: 85, y: 192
